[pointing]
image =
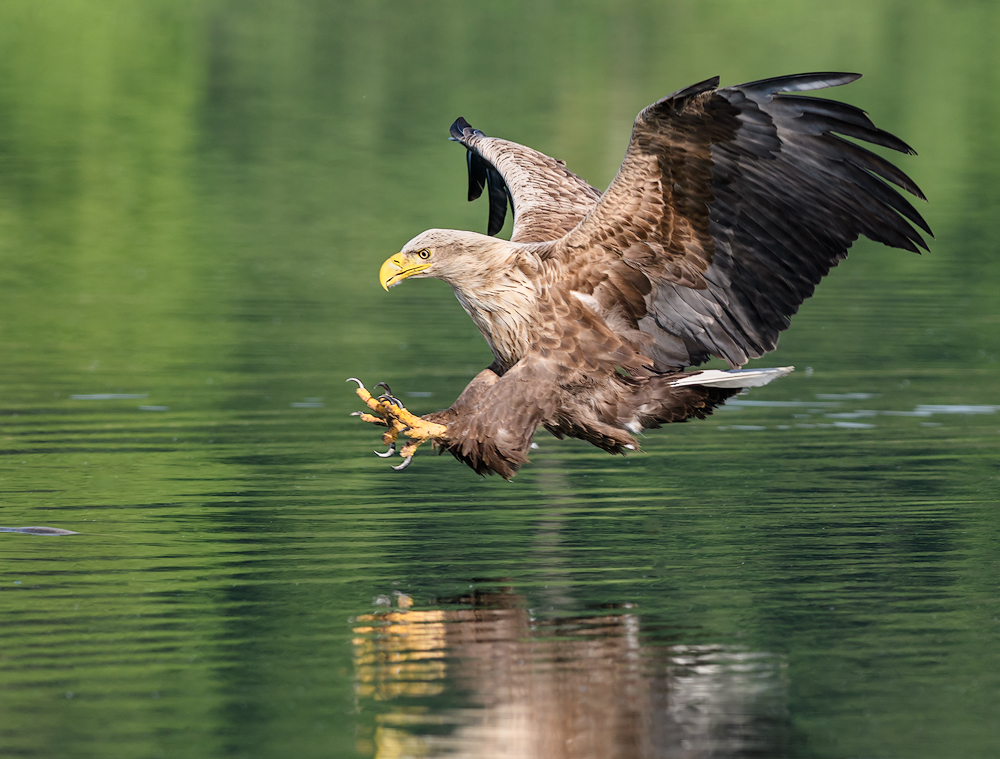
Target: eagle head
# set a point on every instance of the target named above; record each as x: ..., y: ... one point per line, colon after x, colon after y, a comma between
x: 448, y: 254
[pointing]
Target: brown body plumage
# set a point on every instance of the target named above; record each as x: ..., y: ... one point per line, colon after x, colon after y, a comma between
x: 729, y: 207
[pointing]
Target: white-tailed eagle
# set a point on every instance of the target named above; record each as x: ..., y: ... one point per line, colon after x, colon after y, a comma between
x: 730, y: 205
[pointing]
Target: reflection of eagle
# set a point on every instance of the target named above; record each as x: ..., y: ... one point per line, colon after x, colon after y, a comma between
x: 596, y: 684
x: 730, y: 206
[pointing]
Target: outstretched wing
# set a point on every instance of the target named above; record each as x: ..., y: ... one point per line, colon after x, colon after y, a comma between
x: 730, y: 206
x: 548, y: 199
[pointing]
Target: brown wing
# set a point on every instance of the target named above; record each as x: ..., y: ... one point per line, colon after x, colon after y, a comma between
x: 730, y: 206
x: 548, y: 199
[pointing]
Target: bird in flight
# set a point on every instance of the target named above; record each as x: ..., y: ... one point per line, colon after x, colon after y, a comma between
x: 730, y: 205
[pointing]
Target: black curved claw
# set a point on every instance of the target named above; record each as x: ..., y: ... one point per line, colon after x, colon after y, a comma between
x: 361, y: 385
x: 356, y: 413
x: 396, y: 402
x: 388, y: 391
x: 406, y: 463
x: 387, y: 454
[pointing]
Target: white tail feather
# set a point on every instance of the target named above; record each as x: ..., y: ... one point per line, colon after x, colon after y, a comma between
x: 733, y: 378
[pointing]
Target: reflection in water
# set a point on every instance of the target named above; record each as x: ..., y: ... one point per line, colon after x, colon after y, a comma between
x: 588, y: 686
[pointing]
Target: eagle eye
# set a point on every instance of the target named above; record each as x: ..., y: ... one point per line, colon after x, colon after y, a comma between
x: 424, y: 253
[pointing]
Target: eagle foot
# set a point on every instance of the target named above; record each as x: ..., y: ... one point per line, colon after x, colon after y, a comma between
x: 390, y: 412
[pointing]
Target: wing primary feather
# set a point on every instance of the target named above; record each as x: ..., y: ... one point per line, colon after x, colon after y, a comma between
x: 863, y: 174
x: 842, y: 149
x: 477, y: 174
x: 498, y: 194
x: 815, y: 124
x: 878, y: 189
x: 457, y: 130
x: 796, y: 83
x: 833, y: 109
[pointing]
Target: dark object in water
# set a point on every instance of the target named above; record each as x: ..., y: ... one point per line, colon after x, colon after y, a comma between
x: 38, y: 530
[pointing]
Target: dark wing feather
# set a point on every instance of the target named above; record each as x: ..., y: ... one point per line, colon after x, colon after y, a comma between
x: 548, y: 200
x: 734, y: 203
x: 483, y: 174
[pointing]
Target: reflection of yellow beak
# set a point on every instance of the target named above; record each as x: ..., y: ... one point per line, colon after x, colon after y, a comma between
x: 397, y: 268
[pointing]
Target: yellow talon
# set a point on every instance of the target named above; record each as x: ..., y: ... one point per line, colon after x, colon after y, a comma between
x: 390, y: 437
x: 373, y: 403
x: 410, y: 448
x: 399, y: 420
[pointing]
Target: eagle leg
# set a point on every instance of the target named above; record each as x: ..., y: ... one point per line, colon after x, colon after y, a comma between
x: 389, y: 412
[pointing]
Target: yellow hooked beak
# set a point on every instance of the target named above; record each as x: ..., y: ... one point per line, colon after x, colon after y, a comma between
x: 397, y: 268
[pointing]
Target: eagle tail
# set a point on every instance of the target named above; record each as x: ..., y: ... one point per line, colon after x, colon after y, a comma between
x: 732, y: 378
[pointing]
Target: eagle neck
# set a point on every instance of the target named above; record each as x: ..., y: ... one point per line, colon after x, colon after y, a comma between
x: 500, y: 297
